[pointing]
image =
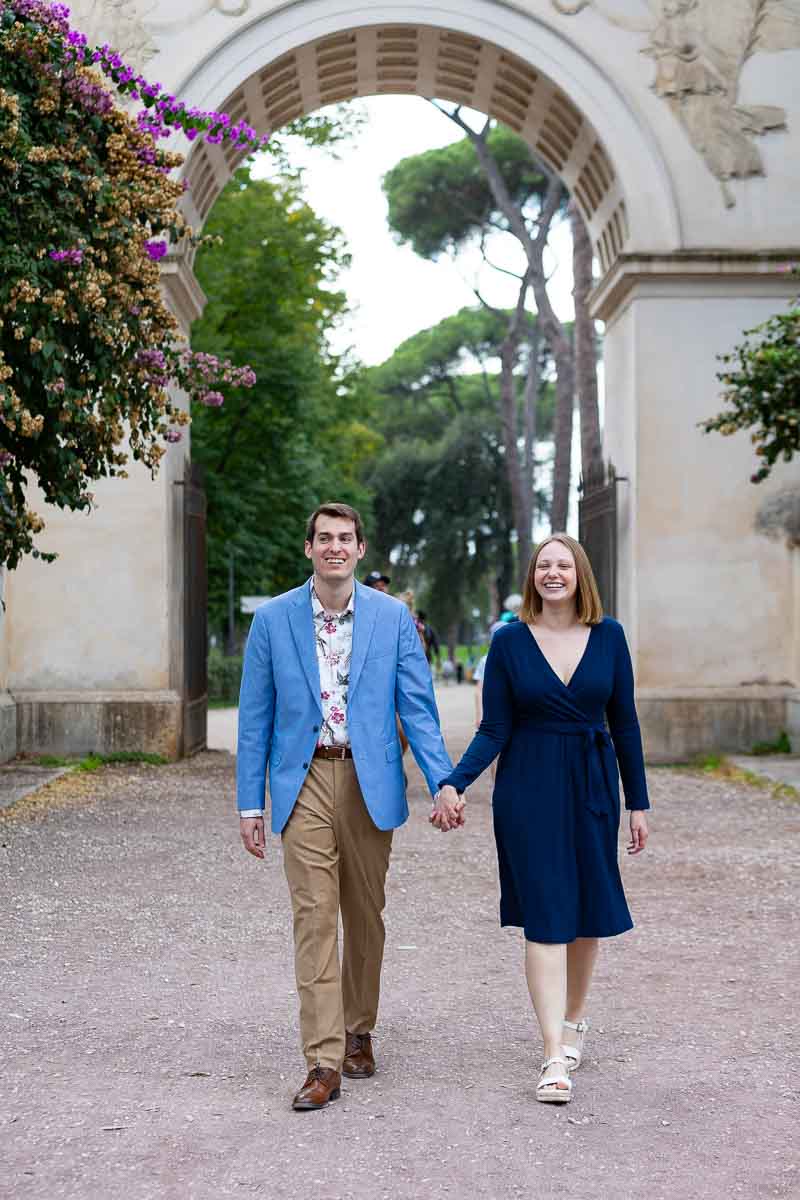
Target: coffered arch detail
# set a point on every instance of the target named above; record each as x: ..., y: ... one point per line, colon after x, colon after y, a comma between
x: 272, y: 72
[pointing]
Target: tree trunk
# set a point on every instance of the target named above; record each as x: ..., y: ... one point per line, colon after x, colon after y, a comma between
x: 552, y: 329
x: 563, y: 454
x: 521, y: 494
x: 585, y: 357
x: 531, y: 399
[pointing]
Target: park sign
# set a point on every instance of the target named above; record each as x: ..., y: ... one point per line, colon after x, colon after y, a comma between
x: 249, y: 604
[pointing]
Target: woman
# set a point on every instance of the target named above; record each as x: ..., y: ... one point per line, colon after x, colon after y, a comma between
x: 551, y: 680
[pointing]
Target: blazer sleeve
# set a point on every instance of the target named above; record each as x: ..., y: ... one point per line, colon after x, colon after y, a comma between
x: 497, y: 724
x: 256, y: 717
x: 623, y: 725
x: 415, y: 705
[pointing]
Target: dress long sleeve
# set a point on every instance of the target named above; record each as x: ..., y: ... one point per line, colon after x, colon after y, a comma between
x: 623, y: 725
x: 496, y: 727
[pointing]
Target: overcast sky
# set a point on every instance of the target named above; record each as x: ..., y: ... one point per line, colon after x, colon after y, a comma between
x: 392, y: 291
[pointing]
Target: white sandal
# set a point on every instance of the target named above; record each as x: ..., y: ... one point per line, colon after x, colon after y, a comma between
x: 574, y: 1054
x: 547, y: 1090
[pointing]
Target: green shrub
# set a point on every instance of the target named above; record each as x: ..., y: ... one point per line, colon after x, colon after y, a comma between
x: 781, y: 745
x: 224, y: 676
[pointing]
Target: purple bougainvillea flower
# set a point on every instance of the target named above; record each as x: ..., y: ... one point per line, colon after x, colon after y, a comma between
x: 212, y: 399
x: 173, y: 435
x: 71, y: 256
x: 156, y: 249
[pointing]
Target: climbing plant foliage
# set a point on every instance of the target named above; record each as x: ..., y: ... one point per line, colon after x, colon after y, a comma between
x: 89, y: 205
x: 761, y: 390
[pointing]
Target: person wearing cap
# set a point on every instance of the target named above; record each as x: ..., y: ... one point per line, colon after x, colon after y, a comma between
x: 374, y: 579
x: 326, y: 667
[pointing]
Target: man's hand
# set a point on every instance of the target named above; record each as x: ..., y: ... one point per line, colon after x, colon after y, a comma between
x: 448, y: 810
x: 639, y: 832
x: 252, y: 831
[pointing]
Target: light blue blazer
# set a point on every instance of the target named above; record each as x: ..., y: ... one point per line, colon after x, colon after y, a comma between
x: 280, y: 709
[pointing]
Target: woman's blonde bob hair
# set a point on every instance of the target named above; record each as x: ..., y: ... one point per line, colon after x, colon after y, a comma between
x: 587, y: 597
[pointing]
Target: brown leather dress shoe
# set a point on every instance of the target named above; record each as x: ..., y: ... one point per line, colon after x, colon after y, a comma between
x: 359, y: 1062
x: 321, y: 1085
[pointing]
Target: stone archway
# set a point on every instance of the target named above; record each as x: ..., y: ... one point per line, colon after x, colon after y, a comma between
x: 587, y: 134
x: 710, y: 606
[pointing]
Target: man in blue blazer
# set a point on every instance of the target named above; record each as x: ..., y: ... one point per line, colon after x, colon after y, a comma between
x: 326, y: 668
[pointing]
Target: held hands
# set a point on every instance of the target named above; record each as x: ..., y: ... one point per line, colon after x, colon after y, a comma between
x: 639, y: 832
x: 252, y: 834
x: 448, y: 810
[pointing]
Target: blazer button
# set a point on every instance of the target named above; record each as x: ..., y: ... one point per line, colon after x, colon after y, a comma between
x: 305, y: 766
x: 316, y: 729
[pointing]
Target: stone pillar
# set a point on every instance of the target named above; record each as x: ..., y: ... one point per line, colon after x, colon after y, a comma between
x: 94, y: 642
x: 710, y: 605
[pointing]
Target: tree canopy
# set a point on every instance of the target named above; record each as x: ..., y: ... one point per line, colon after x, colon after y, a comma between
x: 441, y: 497
x: 442, y: 199
x: 462, y: 193
x: 273, y: 453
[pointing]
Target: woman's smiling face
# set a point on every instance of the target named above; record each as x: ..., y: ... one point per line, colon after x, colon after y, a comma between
x: 555, y: 576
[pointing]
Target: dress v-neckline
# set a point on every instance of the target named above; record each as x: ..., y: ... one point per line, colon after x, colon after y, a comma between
x: 550, y: 666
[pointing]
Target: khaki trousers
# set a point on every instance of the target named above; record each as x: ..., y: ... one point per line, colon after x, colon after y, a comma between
x: 335, y: 858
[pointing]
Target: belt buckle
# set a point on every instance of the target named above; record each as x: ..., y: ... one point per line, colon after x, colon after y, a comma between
x: 343, y: 755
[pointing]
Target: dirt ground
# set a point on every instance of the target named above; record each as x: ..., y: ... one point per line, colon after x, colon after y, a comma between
x: 148, y: 1026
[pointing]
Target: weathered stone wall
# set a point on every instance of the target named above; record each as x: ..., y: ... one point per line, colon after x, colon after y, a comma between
x: 59, y: 723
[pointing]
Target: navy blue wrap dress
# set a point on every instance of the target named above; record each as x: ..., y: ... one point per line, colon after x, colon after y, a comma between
x: 556, y: 797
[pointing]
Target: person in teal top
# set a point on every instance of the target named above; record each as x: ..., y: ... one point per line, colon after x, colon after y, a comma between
x: 558, y: 709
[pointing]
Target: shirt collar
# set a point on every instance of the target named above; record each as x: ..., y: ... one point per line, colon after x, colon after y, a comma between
x: 319, y: 611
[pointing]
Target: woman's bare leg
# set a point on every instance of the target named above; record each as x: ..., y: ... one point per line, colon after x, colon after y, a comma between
x: 581, y: 958
x: 546, y: 973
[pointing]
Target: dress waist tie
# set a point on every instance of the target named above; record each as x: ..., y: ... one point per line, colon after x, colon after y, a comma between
x: 599, y: 794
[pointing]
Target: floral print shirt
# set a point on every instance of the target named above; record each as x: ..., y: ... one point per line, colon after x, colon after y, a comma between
x: 333, y: 637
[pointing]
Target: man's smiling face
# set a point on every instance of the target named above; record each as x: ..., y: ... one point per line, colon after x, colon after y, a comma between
x: 334, y: 552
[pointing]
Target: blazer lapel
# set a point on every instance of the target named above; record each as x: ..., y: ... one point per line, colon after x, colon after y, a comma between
x: 301, y: 623
x: 366, y: 612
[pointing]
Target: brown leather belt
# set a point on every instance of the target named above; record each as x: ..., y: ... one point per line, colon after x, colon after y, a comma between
x: 339, y: 752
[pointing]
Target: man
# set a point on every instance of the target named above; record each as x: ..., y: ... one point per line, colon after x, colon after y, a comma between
x: 374, y: 579
x: 325, y: 668
x: 430, y: 638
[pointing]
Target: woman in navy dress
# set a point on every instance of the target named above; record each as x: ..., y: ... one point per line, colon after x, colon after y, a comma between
x: 551, y: 681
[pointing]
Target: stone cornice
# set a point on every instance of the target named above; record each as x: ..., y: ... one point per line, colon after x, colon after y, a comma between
x: 182, y: 291
x: 691, y: 266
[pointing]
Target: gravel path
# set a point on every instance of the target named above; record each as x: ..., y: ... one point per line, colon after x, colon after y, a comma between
x: 148, y: 1025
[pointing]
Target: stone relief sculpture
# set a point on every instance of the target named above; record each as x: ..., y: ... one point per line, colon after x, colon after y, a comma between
x: 119, y: 23
x: 129, y: 25
x: 699, y: 48
x: 181, y: 13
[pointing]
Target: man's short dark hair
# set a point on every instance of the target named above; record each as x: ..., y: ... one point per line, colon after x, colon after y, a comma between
x: 335, y: 509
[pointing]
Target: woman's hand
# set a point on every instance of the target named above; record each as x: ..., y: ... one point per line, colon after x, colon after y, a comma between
x: 639, y: 832
x: 448, y: 809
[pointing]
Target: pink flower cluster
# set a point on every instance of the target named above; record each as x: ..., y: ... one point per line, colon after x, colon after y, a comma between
x: 91, y: 96
x: 156, y: 249
x: 75, y: 256
x: 208, y: 369
x: 161, y: 113
x: 154, y: 363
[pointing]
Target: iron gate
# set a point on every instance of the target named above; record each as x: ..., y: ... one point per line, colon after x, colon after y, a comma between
x: 597, y: 531
x: 195, y: 612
